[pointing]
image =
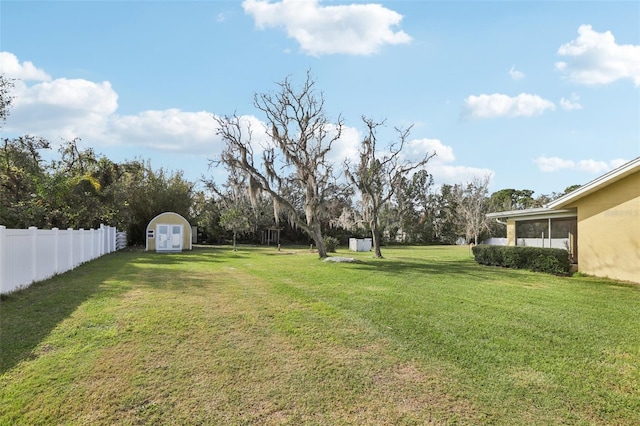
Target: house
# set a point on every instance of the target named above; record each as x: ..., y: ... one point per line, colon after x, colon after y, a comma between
x: 168, y: 232
x: 598, y: 223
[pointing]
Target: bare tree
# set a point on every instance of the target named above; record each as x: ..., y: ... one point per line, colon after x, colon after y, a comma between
x: 301, y: 137
x: 472, y: 207
x: 377, y: 176
x: 237, y: 213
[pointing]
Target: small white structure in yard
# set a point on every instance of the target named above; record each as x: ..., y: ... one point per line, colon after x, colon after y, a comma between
x: 360, y: 244
x: 168, y: 232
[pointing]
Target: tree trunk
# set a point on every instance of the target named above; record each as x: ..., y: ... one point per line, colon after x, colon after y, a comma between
x: 375, y: 239
x: 317, y: 238
x: 234, y: 242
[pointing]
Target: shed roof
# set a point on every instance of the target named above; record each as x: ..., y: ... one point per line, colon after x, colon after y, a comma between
x: 182, y: 218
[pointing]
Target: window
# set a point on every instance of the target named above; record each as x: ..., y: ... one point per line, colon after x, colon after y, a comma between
x: 560, y: 228
x: 532, y: 228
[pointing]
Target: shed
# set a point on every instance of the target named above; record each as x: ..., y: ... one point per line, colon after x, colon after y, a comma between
x: 360, y: 244
x: 168, y: 232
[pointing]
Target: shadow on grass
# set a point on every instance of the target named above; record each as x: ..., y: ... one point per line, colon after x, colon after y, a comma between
x: 176, y: 271
x: 186, y: 257
x: 29, y: 315
x: 468, y: 269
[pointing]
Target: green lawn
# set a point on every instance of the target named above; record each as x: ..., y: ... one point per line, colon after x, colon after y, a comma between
x: 260, y: 337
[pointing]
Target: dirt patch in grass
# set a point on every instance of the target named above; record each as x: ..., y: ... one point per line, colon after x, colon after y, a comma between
x: 410, y: 392
x: 108, y: 392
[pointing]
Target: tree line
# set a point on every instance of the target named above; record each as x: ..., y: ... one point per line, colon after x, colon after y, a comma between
x: 288, y: 183
x: 79, y: 188
x: 396, y: 198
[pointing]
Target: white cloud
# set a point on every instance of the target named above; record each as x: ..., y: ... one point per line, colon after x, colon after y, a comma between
x: 554, y: 164
x: 355, y: 29
x: 499, y: 105
x: 595, y: 58
x: 71, y: 94
x: 515, y: 74
x: 418, y: 148
x: 70, y: 108
x: 345, y: 148
x: 452, y: 175
x: 165, y: 130
x: 593, y: 166
x: 571, y: 104
x: 11, y: 67
x: 441, y: 166
x: 617, y: 162
x: 66, y: 108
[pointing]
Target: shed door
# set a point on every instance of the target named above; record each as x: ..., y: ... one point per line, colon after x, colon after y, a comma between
x: 169, y: 238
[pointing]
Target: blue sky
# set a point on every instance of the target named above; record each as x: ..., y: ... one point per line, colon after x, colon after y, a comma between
x: 540, y: 95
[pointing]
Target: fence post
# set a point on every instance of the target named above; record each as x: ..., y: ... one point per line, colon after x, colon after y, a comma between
x: 56, y: 255
x: 70, y: 233
x: 3, y: 230
x: 101, y: 239
x: 93, y: 243
x: 34, y: 253
x: 82, y: 253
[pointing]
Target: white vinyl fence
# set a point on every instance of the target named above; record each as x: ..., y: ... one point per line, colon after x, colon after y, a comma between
x: 561, y: 243
x: 30, y: 255
x: 494, y: 241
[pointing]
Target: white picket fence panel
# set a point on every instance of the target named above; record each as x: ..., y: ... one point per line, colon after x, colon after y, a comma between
x: 30, y: 255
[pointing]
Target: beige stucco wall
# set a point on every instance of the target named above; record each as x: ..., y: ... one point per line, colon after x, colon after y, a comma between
x: 609, y: 230
x: 511, y: 232
x: 169, y: 218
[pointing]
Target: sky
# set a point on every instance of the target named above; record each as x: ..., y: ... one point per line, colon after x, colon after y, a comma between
x: 538, y: 95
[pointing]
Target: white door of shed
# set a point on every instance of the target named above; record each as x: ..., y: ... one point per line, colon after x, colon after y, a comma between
x: 169, y: 238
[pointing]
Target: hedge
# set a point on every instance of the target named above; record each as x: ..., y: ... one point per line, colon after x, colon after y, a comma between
x: 549, y: 260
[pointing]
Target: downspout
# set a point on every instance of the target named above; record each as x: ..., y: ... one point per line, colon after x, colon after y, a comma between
x: 505, y: 224
x: 501, y: 223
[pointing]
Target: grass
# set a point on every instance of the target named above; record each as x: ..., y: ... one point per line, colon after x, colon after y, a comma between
x: 260, y: 337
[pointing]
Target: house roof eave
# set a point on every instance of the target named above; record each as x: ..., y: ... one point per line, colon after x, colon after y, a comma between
x: 532, y: 214
x: 614, y: 175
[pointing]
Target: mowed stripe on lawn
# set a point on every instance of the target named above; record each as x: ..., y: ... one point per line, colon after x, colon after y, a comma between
x: 188, y: 339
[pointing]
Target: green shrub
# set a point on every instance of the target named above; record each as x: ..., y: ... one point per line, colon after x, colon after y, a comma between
x: 511, y: 258
x: 331, y: 244
x: 549, y: 260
